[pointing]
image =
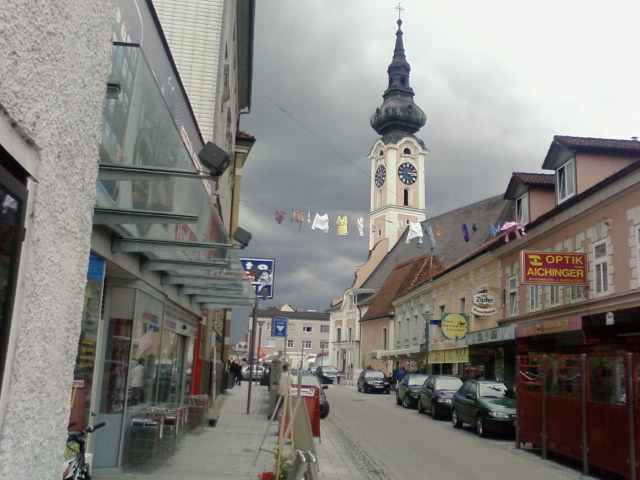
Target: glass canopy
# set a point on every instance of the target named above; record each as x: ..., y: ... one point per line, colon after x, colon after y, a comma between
x: 153, y: 194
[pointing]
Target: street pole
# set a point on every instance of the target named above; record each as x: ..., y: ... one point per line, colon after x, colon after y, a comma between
x: 252, y: 344
x: 260, y: 324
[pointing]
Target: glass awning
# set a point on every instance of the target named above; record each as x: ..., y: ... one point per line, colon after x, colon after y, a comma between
x: 154, y: 196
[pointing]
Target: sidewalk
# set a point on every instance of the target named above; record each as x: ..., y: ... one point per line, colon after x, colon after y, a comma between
x: 228, y: 450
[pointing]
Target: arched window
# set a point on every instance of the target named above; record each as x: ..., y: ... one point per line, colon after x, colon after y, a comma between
x: 407, y: 151
x: 407, y: 197
x: 338, y: 334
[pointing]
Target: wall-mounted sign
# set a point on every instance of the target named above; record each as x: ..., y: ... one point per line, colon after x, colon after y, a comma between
x: 454, y: 326
x: 279, y: 327
x: 554, y: 268
x: 260, y: 273
x: 546, y: 327
x: 456, y: 355
x: 483, y: 305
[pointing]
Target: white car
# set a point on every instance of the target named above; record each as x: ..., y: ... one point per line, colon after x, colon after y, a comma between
x: 258, y: 371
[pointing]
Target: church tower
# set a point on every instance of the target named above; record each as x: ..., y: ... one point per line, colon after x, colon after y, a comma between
x: 398, y: 157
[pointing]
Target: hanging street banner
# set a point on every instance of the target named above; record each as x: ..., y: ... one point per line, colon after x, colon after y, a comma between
x: 554, y: 268
x: 260, y: 273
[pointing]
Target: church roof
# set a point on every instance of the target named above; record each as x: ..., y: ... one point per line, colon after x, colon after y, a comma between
x: 449, y: 236
x: 402, y: 278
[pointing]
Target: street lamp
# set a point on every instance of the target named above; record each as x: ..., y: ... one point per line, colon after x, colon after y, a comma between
x: 263, y: 293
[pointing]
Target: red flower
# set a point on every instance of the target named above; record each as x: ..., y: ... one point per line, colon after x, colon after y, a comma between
x: 267, y: 476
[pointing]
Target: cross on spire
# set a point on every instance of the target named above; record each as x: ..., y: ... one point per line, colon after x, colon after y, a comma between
x: 400, y: 9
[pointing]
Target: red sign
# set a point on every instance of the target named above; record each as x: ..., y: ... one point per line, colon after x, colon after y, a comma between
x: 554, y: 268
x: 546, y: 327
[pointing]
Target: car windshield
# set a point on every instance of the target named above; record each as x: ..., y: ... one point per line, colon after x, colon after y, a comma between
x: 452, y: 383
x: 374, y: 374
x: 305, y: 379
x: 328, y: 369
x: 417, y: 379
x: 495, y: 390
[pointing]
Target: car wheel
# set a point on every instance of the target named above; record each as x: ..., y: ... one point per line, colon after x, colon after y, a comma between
x: 455, y: 420
x: 366, y: 389
x: 420, y: 409
x: 481, y: 428
x: 398, y: 401
x: 405, y: 402
x: 387, y: 391
x: 435, y: 412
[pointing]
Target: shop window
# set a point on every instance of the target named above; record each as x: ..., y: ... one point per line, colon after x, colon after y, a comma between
x: 566, y: 181
x: 600, y: 262
x: 564, y: 377
x: 13, y: 201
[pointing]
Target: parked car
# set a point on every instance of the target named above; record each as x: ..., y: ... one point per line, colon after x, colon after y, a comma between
x: 327, y: 373
x: 373, y: 381
x: 436, y: 394
x: 489, y: 405
x: 310, y: 379
x: 258, y: 371
x: 408, y: 389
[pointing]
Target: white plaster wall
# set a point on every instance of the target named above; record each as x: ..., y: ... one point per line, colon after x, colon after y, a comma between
x: 54, y: 62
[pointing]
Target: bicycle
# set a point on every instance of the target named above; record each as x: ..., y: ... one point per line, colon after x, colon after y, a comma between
x: 78, y: 468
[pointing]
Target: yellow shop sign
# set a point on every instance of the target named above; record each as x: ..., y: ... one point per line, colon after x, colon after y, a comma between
x: 454, y: 326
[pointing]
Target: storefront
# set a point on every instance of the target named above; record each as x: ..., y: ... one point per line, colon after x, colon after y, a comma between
x: 492, y: 354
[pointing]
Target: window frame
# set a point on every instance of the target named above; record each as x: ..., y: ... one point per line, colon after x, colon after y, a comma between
x: 290, y: 343
x: 19, y: 191
x: 533, y: 303
x: 522, y: 209
x: 512, y: 295
x: 600, y: 269
x: 307, y: 344
x: 567, y: 171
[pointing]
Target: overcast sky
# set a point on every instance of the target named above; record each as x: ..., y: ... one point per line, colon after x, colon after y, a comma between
x: 497, y: 80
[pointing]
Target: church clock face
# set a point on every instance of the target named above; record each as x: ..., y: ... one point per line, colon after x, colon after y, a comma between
x: 407, y: 173
x: 381, y: 175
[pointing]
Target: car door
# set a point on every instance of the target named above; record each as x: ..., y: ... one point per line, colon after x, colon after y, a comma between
x: 466, y: 404
x: 429, y: 389
x: 403, y: 388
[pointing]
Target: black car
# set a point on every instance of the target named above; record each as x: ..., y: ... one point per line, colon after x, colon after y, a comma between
x: 436, y: 394
x: 327, y: 373
x: 309, y: 378
x: 373, y: 381
x: 408, y: 389
x: 489, y: 405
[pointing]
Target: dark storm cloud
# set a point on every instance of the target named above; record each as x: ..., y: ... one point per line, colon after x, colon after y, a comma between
x: 496, y: 80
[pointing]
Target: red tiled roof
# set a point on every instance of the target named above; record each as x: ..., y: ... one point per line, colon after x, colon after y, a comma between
x: 402, y: 279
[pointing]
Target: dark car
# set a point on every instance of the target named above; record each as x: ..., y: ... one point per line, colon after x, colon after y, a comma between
x: 373, y: 381
x: 489, y: 405
x: 310, y: 379
x: 327, y: 373
x: 436, y: 393
x: 408, y: 389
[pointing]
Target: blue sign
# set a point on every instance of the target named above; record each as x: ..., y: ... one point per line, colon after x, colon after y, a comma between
x: 279, y: 327
x: 260, y: 273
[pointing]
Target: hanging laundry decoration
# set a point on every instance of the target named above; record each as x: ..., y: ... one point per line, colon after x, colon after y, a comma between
x: 438, y: 231
x: 415, y: 231
x: 428, y: 231
x: 516, y: 228
x: 280, y: 215
x: 465, y: 233
x: 321, y: 222
x: 360, y: 225
x: 474, y: 228
x: 297, y: 216
x: 495, y: 229
x: 342, y: 222
x: 396, y: 223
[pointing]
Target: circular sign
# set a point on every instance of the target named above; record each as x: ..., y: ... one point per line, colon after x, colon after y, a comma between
x: 454, y: 326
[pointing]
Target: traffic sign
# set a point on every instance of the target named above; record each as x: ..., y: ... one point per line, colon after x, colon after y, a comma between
x: 279, y: 327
